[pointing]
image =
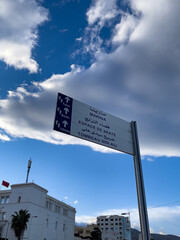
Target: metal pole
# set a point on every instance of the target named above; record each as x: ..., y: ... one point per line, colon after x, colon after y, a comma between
x: 29, y: 166
x: 144, y: 222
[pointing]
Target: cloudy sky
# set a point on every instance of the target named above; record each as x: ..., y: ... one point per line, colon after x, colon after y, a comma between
x: 121, y: 56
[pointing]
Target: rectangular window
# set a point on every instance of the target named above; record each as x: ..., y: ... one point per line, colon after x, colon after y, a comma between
x: 56, y: 225
x: 19, y: 199
x: 2, y: 215
x: 47, y: 222
x: 65, y: 212
x: 7, y: 199
x: 49, y: 205
x: 2, y: 200
x: 57, y: 209
x: 64, y: 227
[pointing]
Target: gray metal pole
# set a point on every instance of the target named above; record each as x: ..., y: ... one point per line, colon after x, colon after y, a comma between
x: 29, y: 166
x: 144, y: 222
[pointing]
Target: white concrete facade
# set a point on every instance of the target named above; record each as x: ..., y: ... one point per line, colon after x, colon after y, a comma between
x: 114, y: 227
x: 50, y: 218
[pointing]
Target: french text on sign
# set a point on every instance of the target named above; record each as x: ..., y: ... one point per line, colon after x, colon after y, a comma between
x: 91, y: 124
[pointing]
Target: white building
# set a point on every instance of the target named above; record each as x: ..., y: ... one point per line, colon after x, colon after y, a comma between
x: 50, y: 218
x: 114, y: 227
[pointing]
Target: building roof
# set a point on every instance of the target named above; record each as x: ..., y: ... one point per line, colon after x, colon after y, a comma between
x: 30, y: 185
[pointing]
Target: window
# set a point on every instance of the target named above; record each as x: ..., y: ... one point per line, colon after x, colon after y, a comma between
x: 64, y: 227
x: 19, y: 199
x: 2, y: 215
x: 47, y: 221
x: 65, y: 212
x: 56, y: 225
x: 2, y: 200
x: 49, y: 205
x: 7, y: 199
x: 57, y: 209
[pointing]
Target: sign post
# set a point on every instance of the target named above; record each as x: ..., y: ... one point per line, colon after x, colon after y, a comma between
x: 83, y: 121
x: 140, y: 185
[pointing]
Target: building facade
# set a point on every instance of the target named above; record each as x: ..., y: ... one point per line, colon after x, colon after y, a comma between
x: 50, y: 219
x: 84, y: 232
x: 114, y: 227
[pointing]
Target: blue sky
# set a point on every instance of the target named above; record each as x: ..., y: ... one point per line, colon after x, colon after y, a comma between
x: 119, y: 56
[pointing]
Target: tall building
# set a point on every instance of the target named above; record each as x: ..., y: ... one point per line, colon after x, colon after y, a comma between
x: 114, y: 227
x: 50, y: 219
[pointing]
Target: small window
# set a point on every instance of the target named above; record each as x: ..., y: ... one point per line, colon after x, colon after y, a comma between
x: 2, y: 215
x: 65, y: 212
x: 56, y: 225
x: 7, y: 199
x: 19, y: 199
x: 64, y: 227
x: 2, y: 200
x: 47, y: 221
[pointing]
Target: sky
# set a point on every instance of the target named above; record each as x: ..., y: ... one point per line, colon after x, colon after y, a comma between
x: 120, y: 56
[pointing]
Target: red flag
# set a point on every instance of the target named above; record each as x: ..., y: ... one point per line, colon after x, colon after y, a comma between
x: 4, y: 183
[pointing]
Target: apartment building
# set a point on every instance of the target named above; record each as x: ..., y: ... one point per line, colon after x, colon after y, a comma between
x: 50, y: 219
x: 114, y: 227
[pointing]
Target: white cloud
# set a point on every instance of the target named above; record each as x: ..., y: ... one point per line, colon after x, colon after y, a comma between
x: 76, y: 202
x: 18, y: 32
x: 101, y: 11
x: 136, y: 81
x: 66, y: 197
x: 4, y: 137
x: 162, y: 219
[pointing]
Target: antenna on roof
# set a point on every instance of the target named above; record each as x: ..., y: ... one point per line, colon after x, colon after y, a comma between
x: 28, y: 170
